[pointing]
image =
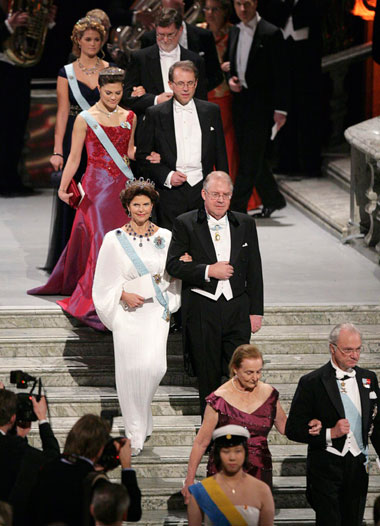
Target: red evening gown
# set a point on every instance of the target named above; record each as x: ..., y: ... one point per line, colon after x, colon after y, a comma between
x: 258, y: 423
x: 99, y: 212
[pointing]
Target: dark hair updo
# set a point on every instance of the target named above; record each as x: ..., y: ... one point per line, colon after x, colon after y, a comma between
x: 111, y: 75
x: 135, y: 188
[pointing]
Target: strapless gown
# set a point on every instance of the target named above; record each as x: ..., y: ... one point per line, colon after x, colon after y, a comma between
x: 99, y: 212
x: 249, y: 513
x: 258, y: 423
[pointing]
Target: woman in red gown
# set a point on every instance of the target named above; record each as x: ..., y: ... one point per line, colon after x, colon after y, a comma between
x: 101, y: 209
x: 217, y: 14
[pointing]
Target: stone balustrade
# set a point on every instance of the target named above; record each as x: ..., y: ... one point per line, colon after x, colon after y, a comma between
x: 364, y: 139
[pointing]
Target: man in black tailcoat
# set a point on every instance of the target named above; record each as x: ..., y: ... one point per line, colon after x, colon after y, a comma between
x: 216, y: 254
x: 196, y: 39
x: 258, y: 79
x: 344, y: 397
x: 147, y: 75
x: 188, y: 134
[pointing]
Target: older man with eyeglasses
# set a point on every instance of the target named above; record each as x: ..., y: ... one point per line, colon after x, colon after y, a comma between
x: 344, y: 397
x: 216, y: 254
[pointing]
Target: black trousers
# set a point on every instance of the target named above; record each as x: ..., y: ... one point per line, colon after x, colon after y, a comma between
x: 299, y: 142
x: 15, y: 92
x: 253, y: 129
x: 177, y: 200
x: 213, y: 330
x: 337, y: 488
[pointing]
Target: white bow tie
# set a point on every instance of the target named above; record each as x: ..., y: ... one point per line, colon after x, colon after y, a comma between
x: 346, y: 375
x: 169, y: 54
x: 214, y: 224
x: 179, y: 108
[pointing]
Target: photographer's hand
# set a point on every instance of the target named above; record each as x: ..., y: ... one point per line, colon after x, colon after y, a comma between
x: 40, y: 408
x: 125, y: 453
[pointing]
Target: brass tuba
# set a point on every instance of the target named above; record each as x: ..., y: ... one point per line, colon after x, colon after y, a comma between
x: 25, y: 46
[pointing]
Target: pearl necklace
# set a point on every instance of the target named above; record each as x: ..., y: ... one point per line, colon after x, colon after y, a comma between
x: 236, y: 388
x: 89, y: 71
x: 107, y: 113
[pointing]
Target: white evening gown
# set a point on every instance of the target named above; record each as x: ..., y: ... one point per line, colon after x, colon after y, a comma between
x: 140, y: 334
x: 249, y: 513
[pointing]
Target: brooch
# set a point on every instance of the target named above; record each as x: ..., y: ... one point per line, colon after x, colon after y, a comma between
x: 159, y: 242
x: 157, y: 278
x: 126, y: 124
x: 126, y: 160
x: 366, y: 382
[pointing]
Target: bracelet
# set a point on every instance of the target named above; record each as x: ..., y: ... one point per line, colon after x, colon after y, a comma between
x: 56, y: 153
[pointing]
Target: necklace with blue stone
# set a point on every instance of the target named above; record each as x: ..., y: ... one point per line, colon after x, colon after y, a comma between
x: 149, y: 232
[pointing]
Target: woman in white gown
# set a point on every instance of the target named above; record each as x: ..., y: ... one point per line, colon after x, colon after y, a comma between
x: 133, y: 297
x: 231, y: 497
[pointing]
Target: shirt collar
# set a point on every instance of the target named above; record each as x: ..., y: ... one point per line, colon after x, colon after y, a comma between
x: 189, y: 106
x: 252, y: 24
x: 174, y: 53
x: 340, y: 373
x: 222, y: 222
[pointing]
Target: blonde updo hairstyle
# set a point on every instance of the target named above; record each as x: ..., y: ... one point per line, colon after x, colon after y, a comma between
x: 245, y: 351
x: 88, y: 22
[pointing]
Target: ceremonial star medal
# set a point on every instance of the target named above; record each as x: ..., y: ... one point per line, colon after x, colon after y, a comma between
x: 217, y: 235
x: 157, y: 278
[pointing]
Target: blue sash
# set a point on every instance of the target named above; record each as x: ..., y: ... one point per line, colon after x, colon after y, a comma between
x: 73, y: 83
x: 142, y: 270
x: 107, y: 144
x: 215, y: 504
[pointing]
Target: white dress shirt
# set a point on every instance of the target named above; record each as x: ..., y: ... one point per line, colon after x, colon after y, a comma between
x: 221, y: 239
x: 188, y: 138
x: 167, y: 60
x: 352, y: 389
x: 296, y: 34
x: 246, y: 35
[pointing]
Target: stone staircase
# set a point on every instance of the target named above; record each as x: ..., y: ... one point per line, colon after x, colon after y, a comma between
x: 76, y: 367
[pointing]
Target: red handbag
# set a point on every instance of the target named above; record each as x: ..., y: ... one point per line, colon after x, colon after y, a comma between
x: 78, y: 194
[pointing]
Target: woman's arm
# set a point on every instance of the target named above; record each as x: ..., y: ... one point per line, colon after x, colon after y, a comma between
x: 200, y: 444
x: 77, y: 141
x: 131, y: 145
x: 61, y: 121
x: 194, y: 514
x: 267, y: 507
x: 280, y: 420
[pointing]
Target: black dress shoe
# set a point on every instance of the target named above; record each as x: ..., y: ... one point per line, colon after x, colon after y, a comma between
x: 267, y: 211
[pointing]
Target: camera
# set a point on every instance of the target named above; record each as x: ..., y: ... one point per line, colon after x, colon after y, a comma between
x: 110, y: 457
x: 24, y: 411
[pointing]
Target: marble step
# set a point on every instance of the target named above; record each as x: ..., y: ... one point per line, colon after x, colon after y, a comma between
x: 171, y: 462
x: 53, y: 317
x: 99, y: 371
x: 322, y: 199
x: 283, y: 517
x: 339, y: 169
x: 164, y: 493
x: 85, y: 342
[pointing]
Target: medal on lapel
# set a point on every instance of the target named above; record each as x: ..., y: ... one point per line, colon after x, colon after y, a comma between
x: 217, y: 235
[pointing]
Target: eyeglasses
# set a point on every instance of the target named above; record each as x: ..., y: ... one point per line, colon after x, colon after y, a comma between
x: 348, y: 350
x: 169, y: 36
x: 215, y: 195
x: 182, y: 84
x: 211, y: 9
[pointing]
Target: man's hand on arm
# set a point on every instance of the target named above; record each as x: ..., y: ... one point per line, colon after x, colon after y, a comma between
x: 164, y: 96
x: 341, y: 428
x: 220, y: 270
x: 178, y: 178
x: 234, y: 84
